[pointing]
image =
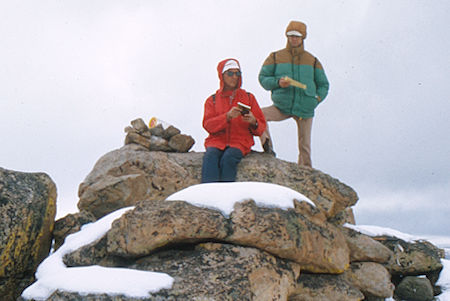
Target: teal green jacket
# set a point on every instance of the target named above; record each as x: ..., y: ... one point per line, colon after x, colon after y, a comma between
x: 301, y: 66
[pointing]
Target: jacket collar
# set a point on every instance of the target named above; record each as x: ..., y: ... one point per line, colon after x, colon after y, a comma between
x: 297, y: 50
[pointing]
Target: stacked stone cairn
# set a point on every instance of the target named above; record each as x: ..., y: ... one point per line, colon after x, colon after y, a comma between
x: 158, y: 138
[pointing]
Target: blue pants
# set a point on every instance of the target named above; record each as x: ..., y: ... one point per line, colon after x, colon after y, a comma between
x: 220, y: 165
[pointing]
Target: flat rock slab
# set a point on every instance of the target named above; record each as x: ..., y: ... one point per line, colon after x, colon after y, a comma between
x: 292, y: 234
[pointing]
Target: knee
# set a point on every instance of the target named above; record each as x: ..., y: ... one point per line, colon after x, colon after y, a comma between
x: 232, y: 155
x: 211, y: 153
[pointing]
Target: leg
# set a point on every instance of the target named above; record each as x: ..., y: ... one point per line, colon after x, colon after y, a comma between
x: 228, y: 164
x: 271, y: 114
x: 304, y: 127
x: 210, y: 166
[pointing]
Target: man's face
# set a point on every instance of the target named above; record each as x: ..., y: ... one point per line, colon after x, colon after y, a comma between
x: 295, y: 41
x: 231, y: 78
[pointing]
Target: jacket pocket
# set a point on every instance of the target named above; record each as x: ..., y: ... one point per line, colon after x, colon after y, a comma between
x: 311, y: 89
x: 310, y: 103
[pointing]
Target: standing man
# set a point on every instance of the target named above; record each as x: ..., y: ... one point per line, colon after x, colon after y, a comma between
x: 290, y: 101
x: 232, y: 117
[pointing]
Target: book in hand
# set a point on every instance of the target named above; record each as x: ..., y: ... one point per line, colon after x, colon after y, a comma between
x: 244, y: 108
x: 295, y: 83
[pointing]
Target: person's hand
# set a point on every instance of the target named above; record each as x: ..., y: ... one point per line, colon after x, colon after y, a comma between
x: 233, y: 113
x: 250, y: 118
x: 284, y: 83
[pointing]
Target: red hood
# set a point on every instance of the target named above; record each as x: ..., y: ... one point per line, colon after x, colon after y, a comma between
x: 219, y: 71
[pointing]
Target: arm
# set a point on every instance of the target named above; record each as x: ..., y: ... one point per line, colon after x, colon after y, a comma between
x: 321, y: 81
x: 260, y: 124
x: 266, y: 75
x: 212, y: 121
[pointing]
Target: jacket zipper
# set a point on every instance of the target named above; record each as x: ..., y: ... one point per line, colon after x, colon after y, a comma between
x: 292, y: 88
x: 229, y: 123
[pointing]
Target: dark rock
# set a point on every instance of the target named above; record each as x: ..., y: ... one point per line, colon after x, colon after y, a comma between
x: 412, y: 258
x: 69, y: 224
x: 27, y: 212
x: 170, y: 132
x: 324, y: 287
x: 213, y: 271
x: 415, y: 289
x: 158, y: 130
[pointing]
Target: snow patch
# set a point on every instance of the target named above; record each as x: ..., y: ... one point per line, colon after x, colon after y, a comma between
x: 222, y: 196
x: 52, y: 274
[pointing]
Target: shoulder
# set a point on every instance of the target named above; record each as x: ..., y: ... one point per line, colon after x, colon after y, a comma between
x: 245, y: 94
x: 309, y: 56
x: 309, y: 59
x: 315, y: 60
x: 211, y: 98
x: 282, y: 56
x: 305, y: 52
x: 275, y: 55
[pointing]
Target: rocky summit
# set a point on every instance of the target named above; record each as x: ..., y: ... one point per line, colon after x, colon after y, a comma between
x: 253, y: 253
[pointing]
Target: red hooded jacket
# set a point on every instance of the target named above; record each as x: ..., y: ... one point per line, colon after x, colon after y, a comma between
x: 236, y: 132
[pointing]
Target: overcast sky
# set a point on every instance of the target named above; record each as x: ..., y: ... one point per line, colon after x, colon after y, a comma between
x: 75, y: 73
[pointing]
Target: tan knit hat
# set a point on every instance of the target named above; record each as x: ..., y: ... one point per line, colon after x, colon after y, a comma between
x: 297, y: 26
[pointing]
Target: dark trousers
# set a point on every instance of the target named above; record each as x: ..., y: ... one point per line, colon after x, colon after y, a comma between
x: 220, y: 165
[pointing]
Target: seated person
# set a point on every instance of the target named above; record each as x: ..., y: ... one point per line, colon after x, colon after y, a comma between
x: 231, y: 127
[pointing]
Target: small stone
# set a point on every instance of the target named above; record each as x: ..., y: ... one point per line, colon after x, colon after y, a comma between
x: 181, y: 143
x: 159, y: 144
x: 129, y: 129
x: 133, y: 137
x: 415, y: 289
x: 170, y: 132
x: 69, y: 224
x: 139, y: 125
x: 157, y: 130
x: 371, y: 278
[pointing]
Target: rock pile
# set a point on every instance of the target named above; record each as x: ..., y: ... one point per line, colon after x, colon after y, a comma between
x: 255, y: 253
x: 158, y: 138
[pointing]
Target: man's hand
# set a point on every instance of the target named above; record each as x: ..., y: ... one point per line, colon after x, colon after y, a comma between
x: 233, y: 113
x: 284, y: 83
x: 250, y: 118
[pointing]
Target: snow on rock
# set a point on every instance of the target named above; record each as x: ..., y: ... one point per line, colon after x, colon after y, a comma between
x: 52, y: 274
x: 222, y: 196
x: 370, y: 230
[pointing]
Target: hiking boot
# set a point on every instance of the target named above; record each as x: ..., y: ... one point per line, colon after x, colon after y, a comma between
x: 267, y: 147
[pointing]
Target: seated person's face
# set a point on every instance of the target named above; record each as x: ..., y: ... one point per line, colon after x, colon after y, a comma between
x: 231, y: 78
